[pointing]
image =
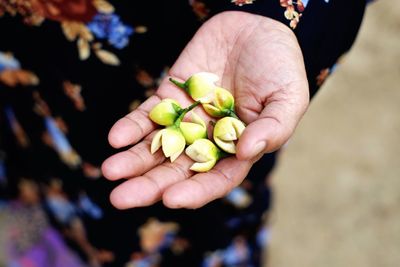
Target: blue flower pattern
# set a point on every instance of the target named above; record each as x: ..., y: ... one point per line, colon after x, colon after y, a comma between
x: 110, y: 27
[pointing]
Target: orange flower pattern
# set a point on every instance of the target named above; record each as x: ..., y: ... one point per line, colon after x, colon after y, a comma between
x: 242, y: 2
x: 294, y: 8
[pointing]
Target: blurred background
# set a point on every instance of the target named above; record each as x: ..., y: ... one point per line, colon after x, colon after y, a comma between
x: 337, y: 188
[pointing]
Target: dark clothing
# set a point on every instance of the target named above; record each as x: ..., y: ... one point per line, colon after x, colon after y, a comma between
x: 71, y: 73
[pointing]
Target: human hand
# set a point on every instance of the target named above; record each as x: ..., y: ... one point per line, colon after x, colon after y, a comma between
x: 260, y: 61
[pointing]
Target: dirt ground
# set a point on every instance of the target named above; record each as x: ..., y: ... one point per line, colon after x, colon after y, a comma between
x: 337, y: 188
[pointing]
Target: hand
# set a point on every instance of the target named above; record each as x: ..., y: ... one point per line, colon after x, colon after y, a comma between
x: 260, y: 61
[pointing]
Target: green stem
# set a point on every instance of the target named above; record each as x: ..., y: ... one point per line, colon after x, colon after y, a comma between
x: 231, y: 113
x: 178, y: 121
x: 179, y: 84
x: 177, y: 108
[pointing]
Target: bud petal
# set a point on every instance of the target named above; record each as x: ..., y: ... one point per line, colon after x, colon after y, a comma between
x: 173, y: 143
x: 205, y: 153
x: 227, y: 146
x: 165, y: 113
x: 202, y: 150
x: 224, y: 99
x: 156, y: 142
x: 200, y: 85
x: 226, y: 132
x: 239, y: 126
x: 213, y: 111
x: 203, y: 167
x: 193, y: 130
x: 197, y: 119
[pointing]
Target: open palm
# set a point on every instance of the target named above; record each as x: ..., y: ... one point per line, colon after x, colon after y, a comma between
x: 259, y: 60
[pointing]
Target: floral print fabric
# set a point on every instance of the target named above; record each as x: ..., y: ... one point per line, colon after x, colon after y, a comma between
x: 68, y: 71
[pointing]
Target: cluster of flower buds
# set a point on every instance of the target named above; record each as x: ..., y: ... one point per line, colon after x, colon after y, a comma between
x: 218, y: 103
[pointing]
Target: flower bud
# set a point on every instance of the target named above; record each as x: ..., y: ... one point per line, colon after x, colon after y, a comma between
x: 222, y: 103
x: 201, y: 85
x: 226, y: 133
x: 196, y: 129
x: 205, y: 153
x: 171, y: 140
x: 166, y: 112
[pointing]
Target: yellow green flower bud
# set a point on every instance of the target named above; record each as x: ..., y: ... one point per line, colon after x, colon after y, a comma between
x: 226, y: 133
x: 171, y: 140
x: 222, y: 104
x: 205, y: 154
x: 199, y: 86
x: 166, y: 112
x: 196, y: 129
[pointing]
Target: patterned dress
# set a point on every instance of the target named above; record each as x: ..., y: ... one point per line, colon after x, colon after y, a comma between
x: 68, y: 70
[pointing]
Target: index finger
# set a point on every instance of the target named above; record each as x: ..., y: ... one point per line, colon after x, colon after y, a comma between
x: 133, y: 127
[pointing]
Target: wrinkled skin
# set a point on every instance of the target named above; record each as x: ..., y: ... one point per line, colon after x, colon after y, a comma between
x: 260, y: 61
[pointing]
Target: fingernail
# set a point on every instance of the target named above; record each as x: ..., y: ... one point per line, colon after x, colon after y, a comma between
x: 258, y: 148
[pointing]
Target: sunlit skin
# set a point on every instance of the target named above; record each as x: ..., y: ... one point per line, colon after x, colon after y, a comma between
x: 260, y: 62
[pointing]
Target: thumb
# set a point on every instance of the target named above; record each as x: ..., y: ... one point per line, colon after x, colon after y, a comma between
x: 275, y: 124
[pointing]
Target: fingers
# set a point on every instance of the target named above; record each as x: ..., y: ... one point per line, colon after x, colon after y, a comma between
x: 276, y: 123
x: 147, y: 189
x: 132, y: 162
x: 134, y: 126
x: 205, y: 187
